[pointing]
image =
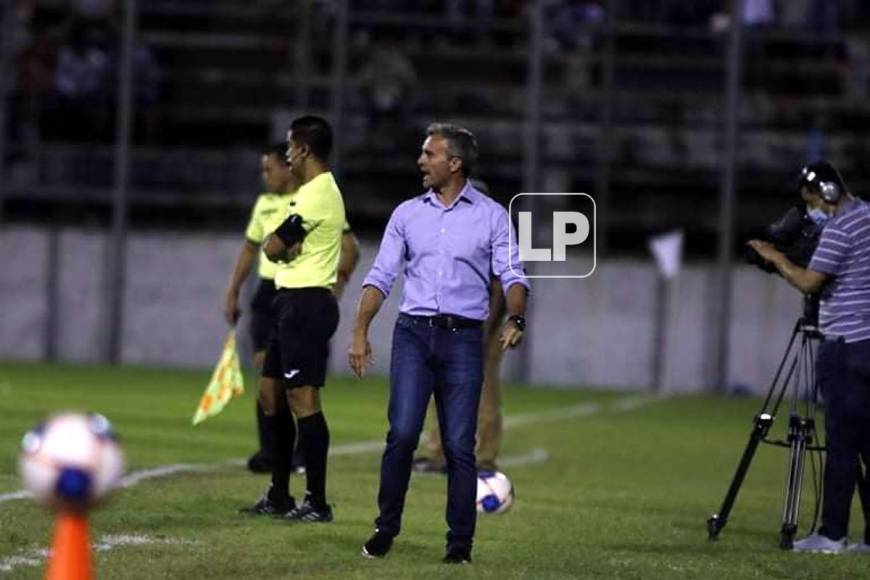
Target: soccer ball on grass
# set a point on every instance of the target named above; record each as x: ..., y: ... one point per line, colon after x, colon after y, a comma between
x: 495, y: 492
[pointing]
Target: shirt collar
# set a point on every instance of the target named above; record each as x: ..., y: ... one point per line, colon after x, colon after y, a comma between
x: 848, y: 207
x: 468, y: 195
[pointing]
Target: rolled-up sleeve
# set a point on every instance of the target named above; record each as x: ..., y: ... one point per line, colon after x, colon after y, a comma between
x: 506, y: 262
x: 388, y: 262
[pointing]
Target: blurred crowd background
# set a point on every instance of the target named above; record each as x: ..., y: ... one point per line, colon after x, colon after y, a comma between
x: 625, y: 98
x: 131, y: 132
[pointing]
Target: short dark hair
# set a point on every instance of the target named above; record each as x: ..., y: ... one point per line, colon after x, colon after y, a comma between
x: 279, y: 150
x: 315, y: 133
x: 460, y: 143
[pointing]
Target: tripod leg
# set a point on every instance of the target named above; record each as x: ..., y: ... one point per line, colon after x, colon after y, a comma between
x: 801, y: 432
x: 718, y: 520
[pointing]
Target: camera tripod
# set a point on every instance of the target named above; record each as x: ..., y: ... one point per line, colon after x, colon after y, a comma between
x: 800, y: 384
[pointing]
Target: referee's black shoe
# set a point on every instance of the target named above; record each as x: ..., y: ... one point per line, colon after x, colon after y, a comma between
x: 457, y: 555
x: 309, y: 513
x: 266, y: 506
x: 377, y: 546
x: 260, y: 462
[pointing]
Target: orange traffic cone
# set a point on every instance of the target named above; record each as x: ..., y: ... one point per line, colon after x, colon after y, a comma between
x: 71, y: 550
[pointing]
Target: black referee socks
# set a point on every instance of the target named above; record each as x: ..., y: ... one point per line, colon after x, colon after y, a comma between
x: 283, y: 433
x: 314, y: 440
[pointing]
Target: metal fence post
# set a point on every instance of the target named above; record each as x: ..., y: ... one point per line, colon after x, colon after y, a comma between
x: 727, y: 192
x: 6, y: 72
x: 115, y: 273
x: 339, y: 76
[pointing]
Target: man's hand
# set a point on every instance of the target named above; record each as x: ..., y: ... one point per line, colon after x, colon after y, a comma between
x: 765, y: 249
x: 278, y: 252
x: 231, y: 307
x: 511, y: 335
x: 340, y: 283
x: 360, y: 354
x: 805, y: 280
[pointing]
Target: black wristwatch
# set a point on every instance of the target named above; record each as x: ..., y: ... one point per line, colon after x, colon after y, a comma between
x: 519, y: 321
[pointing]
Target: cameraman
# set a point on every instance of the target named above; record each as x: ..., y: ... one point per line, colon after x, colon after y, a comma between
x: 840, y: 268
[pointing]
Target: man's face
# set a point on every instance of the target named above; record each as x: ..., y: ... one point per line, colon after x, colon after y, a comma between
x: 810, y: 198
x: 813, y: 200
x: 436, y: 163
x: 275, y: 174
x: 295, y: 156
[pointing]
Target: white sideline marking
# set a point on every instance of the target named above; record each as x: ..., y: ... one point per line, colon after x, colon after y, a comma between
x: 106, y: 543
x: 33, y: 558
x: 510, y: 422
x: 357, y: 448
x: 21, y: 494
x: 635, y: 402
x: 111, y: 541
x: 581, y: 410
x: 139, y: 476
x: 537, y: 455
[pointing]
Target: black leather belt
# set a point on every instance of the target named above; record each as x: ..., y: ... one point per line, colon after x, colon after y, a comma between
x: 448, y: 321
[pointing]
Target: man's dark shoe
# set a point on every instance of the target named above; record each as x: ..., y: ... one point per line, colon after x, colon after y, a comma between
x: 260, y: 462
x: 426, y: 465
x: 377, y: 546
x: 266, y: 506
x: 487, y: 466
x: 457, y: 555
x: 308, y: 513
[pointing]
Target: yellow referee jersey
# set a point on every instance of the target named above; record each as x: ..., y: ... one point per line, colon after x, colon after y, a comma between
x: 321, y: 207
x: 270, y: 210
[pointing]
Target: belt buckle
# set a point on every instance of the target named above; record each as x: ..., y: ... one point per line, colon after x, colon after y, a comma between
x: 450, y: 322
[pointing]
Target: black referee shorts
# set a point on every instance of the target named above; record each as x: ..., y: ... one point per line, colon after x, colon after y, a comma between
x: 305, y: 320
x: 262, y: 318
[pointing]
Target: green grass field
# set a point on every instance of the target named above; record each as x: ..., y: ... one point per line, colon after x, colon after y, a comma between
x: 624, y: 493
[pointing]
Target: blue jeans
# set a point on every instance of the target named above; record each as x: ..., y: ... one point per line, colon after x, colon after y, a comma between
x: 843, y: 373
x: 449, y: 364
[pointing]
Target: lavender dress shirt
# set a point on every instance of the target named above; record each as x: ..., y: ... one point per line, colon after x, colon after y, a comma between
x: 448, y: 253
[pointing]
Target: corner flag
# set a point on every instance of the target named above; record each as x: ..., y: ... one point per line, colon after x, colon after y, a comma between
x: 226, y: 382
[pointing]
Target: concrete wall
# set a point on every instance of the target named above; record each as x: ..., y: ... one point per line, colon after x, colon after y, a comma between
x: 598, y: 331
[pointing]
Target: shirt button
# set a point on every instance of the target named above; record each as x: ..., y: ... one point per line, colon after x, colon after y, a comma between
x: 443, y: 230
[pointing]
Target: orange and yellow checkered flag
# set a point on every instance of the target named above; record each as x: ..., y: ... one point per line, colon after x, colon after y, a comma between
x: 226, y: 383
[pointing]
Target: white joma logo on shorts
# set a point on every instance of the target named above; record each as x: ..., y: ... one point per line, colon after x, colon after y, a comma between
x: 291, y: 373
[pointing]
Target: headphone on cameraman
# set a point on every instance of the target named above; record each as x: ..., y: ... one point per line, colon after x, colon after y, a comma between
x: 825, y: 178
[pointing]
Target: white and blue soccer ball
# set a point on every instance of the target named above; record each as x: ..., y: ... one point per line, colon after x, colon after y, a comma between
x: 495, y: 492
x: 71, y: 461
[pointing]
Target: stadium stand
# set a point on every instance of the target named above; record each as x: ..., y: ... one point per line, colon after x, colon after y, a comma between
x: 226, y: 73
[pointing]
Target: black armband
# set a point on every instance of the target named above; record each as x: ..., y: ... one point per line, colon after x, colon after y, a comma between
x: 291, y: 230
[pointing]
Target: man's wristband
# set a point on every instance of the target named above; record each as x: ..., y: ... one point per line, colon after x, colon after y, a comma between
x: 519, y: 322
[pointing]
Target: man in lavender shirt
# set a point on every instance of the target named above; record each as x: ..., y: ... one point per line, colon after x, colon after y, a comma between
x: 447, y: 241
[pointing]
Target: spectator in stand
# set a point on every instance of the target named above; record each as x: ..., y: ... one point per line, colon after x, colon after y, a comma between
x: 568, y: 23
x: 80, y: 105
x: 388, y: 79
x: 456, y: 11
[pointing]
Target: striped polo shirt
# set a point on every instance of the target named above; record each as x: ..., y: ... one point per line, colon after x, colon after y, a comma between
x: 844, y: 254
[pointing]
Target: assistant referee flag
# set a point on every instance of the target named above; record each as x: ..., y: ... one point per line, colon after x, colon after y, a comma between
x: 226, y: 382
